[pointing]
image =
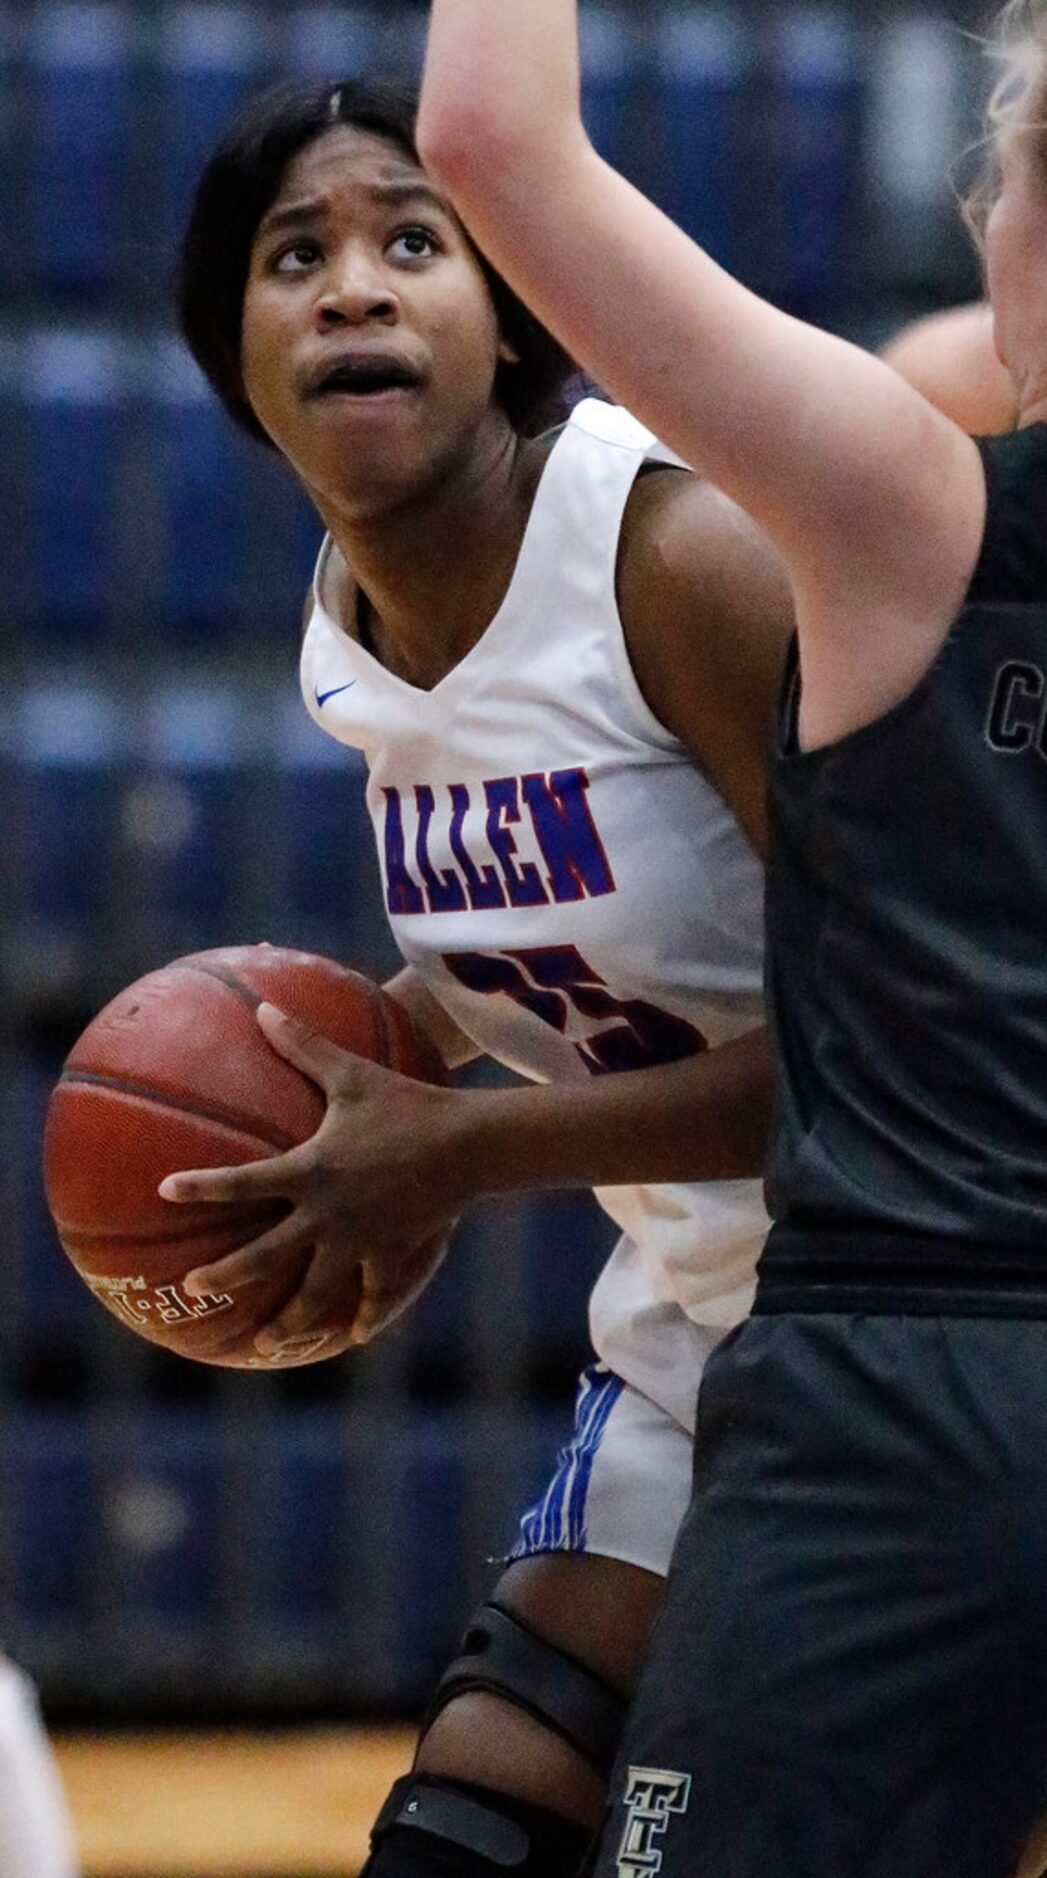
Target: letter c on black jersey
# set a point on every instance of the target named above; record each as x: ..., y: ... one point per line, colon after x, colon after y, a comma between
x: 1016, y: 714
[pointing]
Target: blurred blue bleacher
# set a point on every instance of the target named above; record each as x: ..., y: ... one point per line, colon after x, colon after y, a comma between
x: 77, y: 96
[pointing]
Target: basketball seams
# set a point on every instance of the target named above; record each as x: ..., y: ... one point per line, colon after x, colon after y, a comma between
x: 154, y: 1097
x: 183, y: 1235
x: 380, y: 1027
x: 237, y: 986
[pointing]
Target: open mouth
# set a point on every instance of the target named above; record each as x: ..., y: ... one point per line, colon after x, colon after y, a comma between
x: 365, y: 378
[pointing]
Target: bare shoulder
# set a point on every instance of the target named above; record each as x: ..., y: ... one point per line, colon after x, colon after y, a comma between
x: 950, y: 357
x: 707, y: 612
x: 686, y: 543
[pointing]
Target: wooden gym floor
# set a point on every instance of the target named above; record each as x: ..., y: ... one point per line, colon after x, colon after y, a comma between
x: 281, y: 1805
x: 269, y: 1805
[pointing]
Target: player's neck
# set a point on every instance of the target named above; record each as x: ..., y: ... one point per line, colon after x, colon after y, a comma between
x: 436, y: 570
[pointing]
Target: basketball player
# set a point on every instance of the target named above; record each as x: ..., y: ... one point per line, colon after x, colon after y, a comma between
x: 524, y: 634
x: 528, y: 1751
x: 850, y: 1672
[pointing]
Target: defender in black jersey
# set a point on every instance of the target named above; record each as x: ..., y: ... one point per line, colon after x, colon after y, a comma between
x: 862, y: 1575
x: 850, y: 1676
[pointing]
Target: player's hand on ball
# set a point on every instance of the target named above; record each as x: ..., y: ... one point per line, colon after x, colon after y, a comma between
x: 376, y: 1188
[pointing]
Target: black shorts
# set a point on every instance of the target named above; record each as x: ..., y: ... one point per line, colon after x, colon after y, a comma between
x: 850, y: 1676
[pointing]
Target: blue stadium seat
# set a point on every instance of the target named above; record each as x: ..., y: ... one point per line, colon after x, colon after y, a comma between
x: 10, y: 175
x: 507, y: 1315
x: 703, y: 67
x: 280, y: 537
x: 461, y: 1480
x: 435, y: 1558
x: 48, y: 1307
x: 400, y: 41
x: 320, y: 1520
x: 54, y: 1313
x: 305, y: 534
x: 73, y: 393
x: 608, y: 55
x: 66, y: 758
x: 201, y: 466
x: 923, y: 75
x: 50, y: 1521
x: 437, y: 1330
x: 558, y: 1243
x: 211, y: 53
x: 816, y: 179
x: 325, y: 850
x: 80, y: 79
x: 164, y: 1512
x: 373, y: 1532
x: 182, y: 818
x: 572, y: 1239
x: 14, y: 544
x: 306, y: 1458
x: 329, y: 41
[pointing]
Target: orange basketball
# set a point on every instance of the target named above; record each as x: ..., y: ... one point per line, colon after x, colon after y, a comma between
x: 174, y: 1074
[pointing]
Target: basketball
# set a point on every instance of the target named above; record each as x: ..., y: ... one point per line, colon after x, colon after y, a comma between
x: 174, y: 1073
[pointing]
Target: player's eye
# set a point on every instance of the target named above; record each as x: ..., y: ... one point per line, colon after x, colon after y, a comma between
x: 414, y: 244
x: 296, y: 257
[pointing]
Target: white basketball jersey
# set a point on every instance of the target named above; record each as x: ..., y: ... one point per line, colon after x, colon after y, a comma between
x: 568, y: 885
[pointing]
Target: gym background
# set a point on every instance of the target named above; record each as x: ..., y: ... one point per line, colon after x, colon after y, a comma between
x: 185, y: 1544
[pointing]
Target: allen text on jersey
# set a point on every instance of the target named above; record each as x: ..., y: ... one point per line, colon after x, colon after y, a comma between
x: 469, y: 853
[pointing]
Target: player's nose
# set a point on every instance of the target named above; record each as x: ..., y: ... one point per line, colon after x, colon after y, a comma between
x: 356, y: 292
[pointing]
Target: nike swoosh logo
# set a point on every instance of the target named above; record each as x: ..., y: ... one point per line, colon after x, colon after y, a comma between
x: 322, y: 697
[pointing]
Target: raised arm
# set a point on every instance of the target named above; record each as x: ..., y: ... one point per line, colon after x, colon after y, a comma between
x: 840, y: 460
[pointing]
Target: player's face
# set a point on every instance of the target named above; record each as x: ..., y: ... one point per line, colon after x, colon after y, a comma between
x: 369, y: 340
x: 1016, y: 264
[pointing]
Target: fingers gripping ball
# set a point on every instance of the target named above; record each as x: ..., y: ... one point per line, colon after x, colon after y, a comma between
x: 176, y: 1073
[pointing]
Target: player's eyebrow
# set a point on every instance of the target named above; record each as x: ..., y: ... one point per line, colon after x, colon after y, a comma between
x: 413, y: 190
x: 293, y: 215
x: 390, y: 194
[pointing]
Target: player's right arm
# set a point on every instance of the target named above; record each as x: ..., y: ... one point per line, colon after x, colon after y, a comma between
x: 827, y: 448
x: 394, y: 1162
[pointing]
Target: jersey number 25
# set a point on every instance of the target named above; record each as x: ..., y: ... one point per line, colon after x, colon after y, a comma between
x: 550, y: 981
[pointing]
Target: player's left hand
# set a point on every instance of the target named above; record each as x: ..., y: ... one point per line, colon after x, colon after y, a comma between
x: 377, y: 1187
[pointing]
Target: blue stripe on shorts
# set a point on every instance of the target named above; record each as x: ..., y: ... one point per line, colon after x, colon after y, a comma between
x: 556, y: 1522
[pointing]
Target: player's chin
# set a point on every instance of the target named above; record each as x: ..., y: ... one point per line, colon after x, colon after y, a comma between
x: 370, y: 452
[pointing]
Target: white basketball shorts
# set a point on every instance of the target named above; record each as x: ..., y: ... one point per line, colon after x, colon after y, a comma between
x: 622, y: 1485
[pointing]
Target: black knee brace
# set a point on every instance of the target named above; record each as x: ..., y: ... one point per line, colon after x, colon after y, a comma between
x: 501, y: 1655
x: 432, y: 1827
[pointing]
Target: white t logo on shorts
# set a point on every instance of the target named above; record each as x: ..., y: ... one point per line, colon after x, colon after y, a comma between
x: 652, y: 1795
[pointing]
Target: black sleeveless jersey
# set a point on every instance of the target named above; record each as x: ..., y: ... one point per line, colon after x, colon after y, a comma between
x: 907, y: 941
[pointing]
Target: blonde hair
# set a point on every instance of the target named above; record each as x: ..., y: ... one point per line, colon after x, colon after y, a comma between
x: 1017, y: 46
